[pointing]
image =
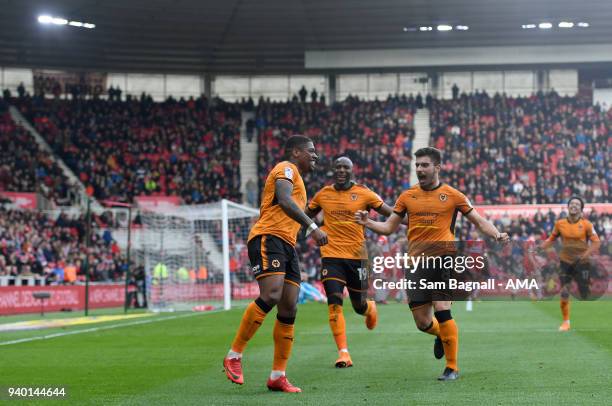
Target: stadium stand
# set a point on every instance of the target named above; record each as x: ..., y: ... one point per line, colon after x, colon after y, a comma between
x: 376, y: 135
x: 36, y: 243
x: 162, y: 152
x: 498, y: 150
x: 24, y: 167
x: 537, y: 149
x: 123, y: 149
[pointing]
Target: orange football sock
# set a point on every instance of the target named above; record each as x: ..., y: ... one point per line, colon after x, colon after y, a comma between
x: 252, y: 319
x: 283, y: 341
x: 449, y: 334
x: 565, y: 309
x: 338, y: 325
x: 434, y: 329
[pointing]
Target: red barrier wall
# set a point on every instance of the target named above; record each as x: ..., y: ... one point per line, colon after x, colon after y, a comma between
x: 19, y: 299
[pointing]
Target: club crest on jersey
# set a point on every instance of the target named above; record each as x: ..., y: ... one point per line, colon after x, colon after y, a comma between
x: 289, y: 173
x: 275, y: 263
x: 324, y: 272
x: 443, y: 197
x: 353, y: 196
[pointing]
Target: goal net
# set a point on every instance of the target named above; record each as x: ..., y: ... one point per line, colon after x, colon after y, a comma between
x: 192, y: 255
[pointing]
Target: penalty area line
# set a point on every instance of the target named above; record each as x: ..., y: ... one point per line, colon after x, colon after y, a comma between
x: 101, y: 328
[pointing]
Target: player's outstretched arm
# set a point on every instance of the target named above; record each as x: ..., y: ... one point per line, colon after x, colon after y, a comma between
x: 282, y: 191
x: 548, y: 243
x: 386, y: 228
x: 593, y: 246
x: 486, y: 227
x: 387, y: 211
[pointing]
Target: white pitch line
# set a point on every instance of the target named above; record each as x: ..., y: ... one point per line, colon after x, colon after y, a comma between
x: 552, y: 330
x: 109, y: 327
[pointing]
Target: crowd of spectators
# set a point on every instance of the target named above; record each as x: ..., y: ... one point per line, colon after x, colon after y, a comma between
x: 536, y: 228
x: 498, y: 150
x: 24, y: 167
x: 376, y: 135
x: 83, y: 87
x: 537, y: 149
x: 121, y: 149
x: 53, y: 247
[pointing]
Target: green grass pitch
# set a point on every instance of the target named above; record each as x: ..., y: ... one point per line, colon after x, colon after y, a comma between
x: 510, y: 353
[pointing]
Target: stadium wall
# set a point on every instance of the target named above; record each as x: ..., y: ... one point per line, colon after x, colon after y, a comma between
x: 10, y: 78
x: 160, y: 87
x: 366, y: 86
x: 18, y: 300
x: 458, y: 56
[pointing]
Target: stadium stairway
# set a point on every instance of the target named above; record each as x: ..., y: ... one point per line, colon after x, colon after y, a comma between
x: 422, y: 135
x: 20, y: 120
x: 248, y: 155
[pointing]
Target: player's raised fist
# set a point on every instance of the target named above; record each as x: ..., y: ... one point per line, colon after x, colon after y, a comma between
x: 361, y: 216
x: 319, y: 236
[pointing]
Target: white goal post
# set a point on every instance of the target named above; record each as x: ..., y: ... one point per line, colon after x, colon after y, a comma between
x: 229, y: 211
x: 193, y: 254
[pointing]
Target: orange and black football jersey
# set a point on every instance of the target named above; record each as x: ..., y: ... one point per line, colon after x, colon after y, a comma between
x: 431, y: 217
x: 575, y: 238
x: 345, y: 236
x: 272, y: 219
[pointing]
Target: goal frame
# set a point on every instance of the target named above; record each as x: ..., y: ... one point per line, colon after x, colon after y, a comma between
x: 226, y: 205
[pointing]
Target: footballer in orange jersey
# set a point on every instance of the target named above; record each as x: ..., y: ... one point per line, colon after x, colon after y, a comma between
x: 432, y: 207
x: 271, y: 247
x: 576, y: 232
x: 344, y: 258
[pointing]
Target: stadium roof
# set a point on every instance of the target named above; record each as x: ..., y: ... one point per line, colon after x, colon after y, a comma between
x: 265, y: 36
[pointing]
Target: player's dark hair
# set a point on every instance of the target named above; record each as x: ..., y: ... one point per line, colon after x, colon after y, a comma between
x: 433, y: 153
x: 580, y: 199
x: 295, y: 141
